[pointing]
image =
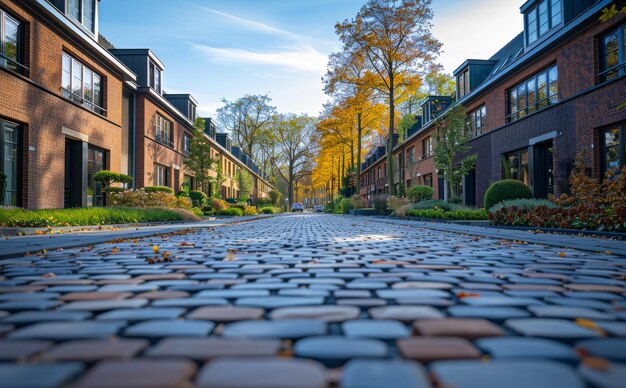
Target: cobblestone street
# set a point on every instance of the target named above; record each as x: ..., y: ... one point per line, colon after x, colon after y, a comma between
x: 312, y: 300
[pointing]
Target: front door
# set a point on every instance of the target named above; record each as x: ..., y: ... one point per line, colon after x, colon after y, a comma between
x: 543, y: 170
x: 73, y: 174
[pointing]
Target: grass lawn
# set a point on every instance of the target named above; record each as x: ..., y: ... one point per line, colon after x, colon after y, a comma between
x: 17, y: 217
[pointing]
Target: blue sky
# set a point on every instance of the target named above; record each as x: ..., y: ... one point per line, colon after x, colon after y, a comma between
x: 218, y: 49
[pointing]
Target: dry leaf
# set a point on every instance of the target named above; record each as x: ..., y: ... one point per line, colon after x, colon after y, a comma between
x: 156, y: 249
x: 48, y: 275
x: 230, y: 255
x: 562, y: 254
x: 596, y: 363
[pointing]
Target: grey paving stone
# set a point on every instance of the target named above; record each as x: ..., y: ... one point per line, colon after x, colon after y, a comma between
x: 208, y: 348
x: 226, y: 313
x: 138, y: 373
x: 169, y: 328
x: 510, y: 374
x: 38, y: 375
x: 21, y: 350
x: 378, y: 329
x: 567, y: 312
x: 104, y: 305
x: 260, y: 373
x: 549, y: 328
x: 142, y: 314
x: 529, y: 348
x: 335, y: 350
x: 405, y: 313
x: 271, y: 302
x: 325, y: 313
x: 491, y: 313
x: 609, y: 348
x: 68, y: 330
x: 290, y: 329
x: 376, y: 373
x: 46, y: 316
x: 94, y: 350
x: 611, y: 377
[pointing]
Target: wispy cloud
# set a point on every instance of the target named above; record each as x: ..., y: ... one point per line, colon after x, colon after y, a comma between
x: 300, y: 58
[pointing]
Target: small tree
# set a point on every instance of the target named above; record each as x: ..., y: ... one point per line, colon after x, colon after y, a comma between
x: 199, y: 161
x: 106, y: 178
x: 245, y: 182
x: 275, y: 197
x: 451, y: 139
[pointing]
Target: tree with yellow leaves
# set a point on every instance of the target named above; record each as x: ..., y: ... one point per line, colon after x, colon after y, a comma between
x: 394, y: 39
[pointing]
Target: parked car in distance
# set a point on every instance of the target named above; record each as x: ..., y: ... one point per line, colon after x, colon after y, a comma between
x: 297, y: 207
x: 318, y: 208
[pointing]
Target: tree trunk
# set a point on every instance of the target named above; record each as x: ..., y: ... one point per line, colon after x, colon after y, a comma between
x: 352, y: 155
x: 358, y: 153
x: 392, y: 112
x: 290, y: 188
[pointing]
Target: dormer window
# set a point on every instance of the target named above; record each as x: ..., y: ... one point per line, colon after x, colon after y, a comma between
x: 546, y: 15
x: 83, y: 11
x: 155, y: 77
x: 463, y: 83
x: 192, y: 111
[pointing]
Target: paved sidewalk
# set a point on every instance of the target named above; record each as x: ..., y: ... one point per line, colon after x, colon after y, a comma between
x: 19, y: 245
x: 585, y: 243
x: 314, y: 300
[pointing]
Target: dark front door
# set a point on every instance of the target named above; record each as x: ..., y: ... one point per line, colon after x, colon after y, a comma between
x: 543, y: 167
x: 469, y: 184
x: 73, y: 174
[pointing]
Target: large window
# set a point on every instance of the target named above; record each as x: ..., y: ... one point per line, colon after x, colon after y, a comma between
x: 613, y: 51
x: 410, y: 156
x: 164, y: 131
x: 515, y: 166
x: 10, y: 42
x: 95, y: 162
x: 613, y: 148
x: 428, y: 180
x: 533, y: 94
x: 186, y: 144
x: 161, y: 175
x: 476, y: 121
x: 155, y: 77
x: 427, y: 147
x: 84, y: 12
x: 543, y: 17
x: 81, y: 84
x: 463, y: 83
x: 9, y: 137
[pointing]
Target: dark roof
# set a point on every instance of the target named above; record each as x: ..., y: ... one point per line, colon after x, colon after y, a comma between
x: 507, y: 55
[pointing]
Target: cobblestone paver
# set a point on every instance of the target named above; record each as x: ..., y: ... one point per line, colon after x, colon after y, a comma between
x: 313, y: 300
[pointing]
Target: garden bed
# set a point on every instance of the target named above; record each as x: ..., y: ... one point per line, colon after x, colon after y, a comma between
x: 45, y: 218
x: 363, y: 212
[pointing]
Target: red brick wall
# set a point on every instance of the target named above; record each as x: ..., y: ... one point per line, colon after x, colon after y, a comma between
x: 35, y: 102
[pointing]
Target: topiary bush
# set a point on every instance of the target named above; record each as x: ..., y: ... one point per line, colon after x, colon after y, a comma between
x: 358, y: 202
x: 159, y: 189
x: 346, y: 205
x: 394, y: 203
x: 380, y: 203
x: 107, y: 177
x: 419, y: 193
x: 267, y: 210
x: 249, y: 211
x: 231, y: 211
x: 219, y: 205
x: 198, y: 198
x: 504, y: 190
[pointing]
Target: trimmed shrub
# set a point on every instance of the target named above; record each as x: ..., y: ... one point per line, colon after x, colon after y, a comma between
x: 527, y: 204
x: 346, y: 205
x: 197, y: 211
x: 504, y: 190
x: 479, y: 214
x: 231, y: 200
x: 231, y: 211
x: 185, y: 203
x: 419, y: 193
x: 107, y: 177
x: 267, y: 210
x: 438, y: 204
x: 249, y: 211
x: 198, y: 198
x: 159, y: 189
x: 395, y: 203
x: 401, y: 211
x: 219, y: 205
x: 142, y: 198
x: 380, y: 203
x: 275, y: 197
x: 358, y: 202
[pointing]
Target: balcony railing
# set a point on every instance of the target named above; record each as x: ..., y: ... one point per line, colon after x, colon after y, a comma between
x: 612, y: 73
x: 82, y: 101
x: 6, y: 62
x: 537, y: 106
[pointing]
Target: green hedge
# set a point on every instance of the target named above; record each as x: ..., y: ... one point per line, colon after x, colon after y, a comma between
x: 419, y: 193
x: 198, y: 198
x: 159, y: 189
x: 17, y: 217
x: 231, y: 211
x: 479, y: 214
x: 505, y: 190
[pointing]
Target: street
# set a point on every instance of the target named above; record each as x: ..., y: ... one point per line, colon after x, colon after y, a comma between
x: 314, y: 300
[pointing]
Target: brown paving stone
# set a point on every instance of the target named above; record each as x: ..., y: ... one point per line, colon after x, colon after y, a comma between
x: 21, y: 350
x: 63, y: 282
x: 427, y: 349
x: 157, y: 295
x: 138, y: 373
x: 595, y: 287
x: 75, y: 296
x: 165, y: 276
x: 118, y: 281
x: 533, y: 287
x: 405, y: 313
x: 227, y: 282
x: 94, y: 350
x: 422, y: 285
x: 436, y: 267
x: 12, y: 289
x: 208, y: 348
x: 262, y: 373
x: 226, y: 313
x: 327, y: 313
x: 457, y: 327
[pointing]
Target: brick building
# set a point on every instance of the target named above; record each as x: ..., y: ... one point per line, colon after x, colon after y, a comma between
x: 72, y: 105
x: 547, y: 96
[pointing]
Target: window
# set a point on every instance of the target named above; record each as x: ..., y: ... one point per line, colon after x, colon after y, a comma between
x: 96, y: 161
x: 161, y: 175
x: 533, y: 94
x: 81, y: 84
x: 186, y: 144
x: 9, y: 153
x: 515, y: 166
x: 379, y: 171
x: 83, y: 11
x: 155, y: 77
x: 428, y: 180
x: 427, y: 147
x: 613, y: 52
x: 164, y: 131
x: 613, y: 148
x: 477, y: 121
x: 410, y: 156
x: 463, y: 83
x: 192, y: 112
x: 543, y: 17
x: 10, y: 42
